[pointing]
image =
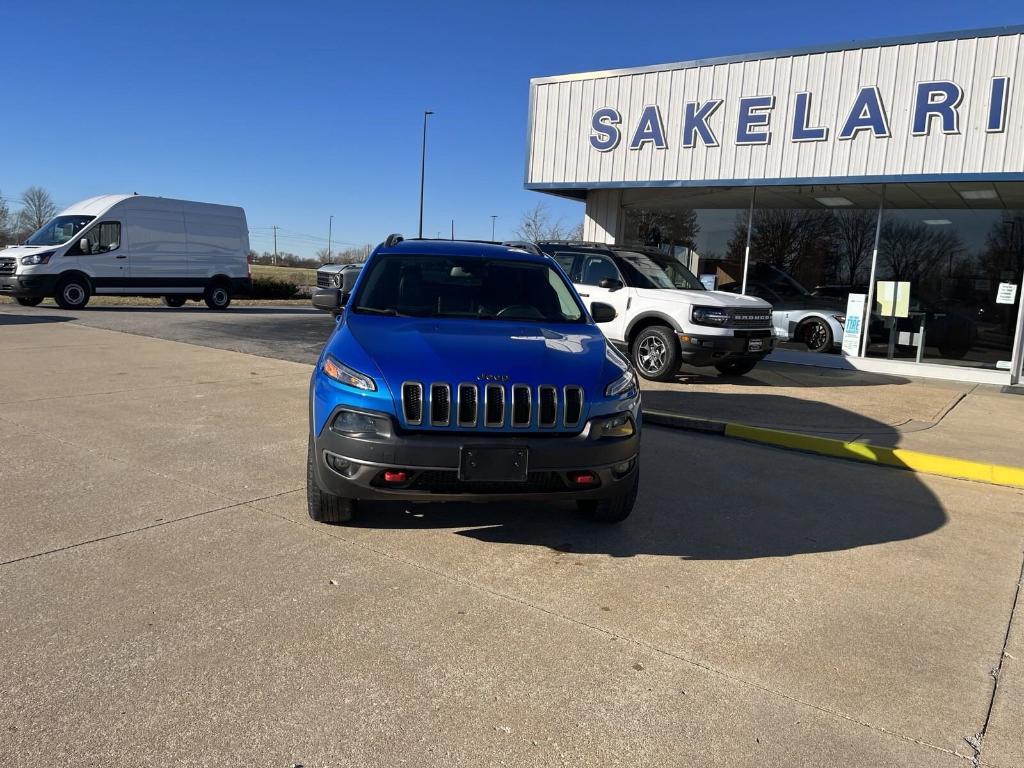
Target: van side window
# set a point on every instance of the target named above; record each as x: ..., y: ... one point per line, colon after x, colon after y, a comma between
x: 103, y: 238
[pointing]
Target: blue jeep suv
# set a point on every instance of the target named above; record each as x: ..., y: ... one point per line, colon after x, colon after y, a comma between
x: 468, y: 371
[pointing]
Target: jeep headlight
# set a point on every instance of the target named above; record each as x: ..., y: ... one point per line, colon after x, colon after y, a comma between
x: 625, y: 384
x: 36, y: 258
x: 710, y: 316
x: 619, y: 425
x: 348, y: 376
x: 356, y: 424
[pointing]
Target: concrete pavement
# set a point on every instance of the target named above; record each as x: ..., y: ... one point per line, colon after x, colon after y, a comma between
x: 168, y: 602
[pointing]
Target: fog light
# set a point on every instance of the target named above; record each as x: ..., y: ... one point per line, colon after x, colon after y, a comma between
x: 338, y: 464
x: 623, y: 469
x: 618, y: 426
x: 395, y: 476
x: 583, y: 478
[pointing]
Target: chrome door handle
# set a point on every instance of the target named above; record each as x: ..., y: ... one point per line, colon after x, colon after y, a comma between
x: 585, y: 295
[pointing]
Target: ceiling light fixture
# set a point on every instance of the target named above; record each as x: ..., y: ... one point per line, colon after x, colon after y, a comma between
x: 937, y: 222
x: 978, y: 194
x: 834, y: 202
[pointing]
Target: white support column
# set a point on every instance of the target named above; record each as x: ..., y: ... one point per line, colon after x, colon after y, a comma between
x: 603, y: 220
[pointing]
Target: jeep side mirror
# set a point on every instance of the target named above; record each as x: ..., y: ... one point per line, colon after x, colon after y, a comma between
x: 610, y: 283
x: 328, y: 299
x: 601, y: 312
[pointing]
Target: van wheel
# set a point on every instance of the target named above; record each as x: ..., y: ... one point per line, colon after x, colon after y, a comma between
x: 29, y: 301
x: 217, y: 295
x: 72, y: 293
x: 324, y: 507
x: 614, y: 509
x: 174, y: 301
x: 655, y: 353
x: 736, y: 367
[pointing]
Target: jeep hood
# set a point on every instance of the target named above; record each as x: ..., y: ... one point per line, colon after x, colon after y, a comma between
x: 703, y: 298
x: 456, y: 351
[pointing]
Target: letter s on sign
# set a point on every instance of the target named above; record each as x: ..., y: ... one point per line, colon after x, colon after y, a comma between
x: 606, y: 135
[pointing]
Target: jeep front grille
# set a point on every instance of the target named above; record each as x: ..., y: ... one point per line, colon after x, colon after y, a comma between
x: 440, y: 405
x: 492, y: 406
x: 468, y: 404
x: 412, y: 403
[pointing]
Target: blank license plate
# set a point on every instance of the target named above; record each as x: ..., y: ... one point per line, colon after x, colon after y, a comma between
x: 755, y: 345
x: 493, y: 464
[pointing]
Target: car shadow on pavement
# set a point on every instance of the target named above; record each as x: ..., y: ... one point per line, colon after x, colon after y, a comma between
x: 769, y: 374
x: 234, y: 309
x: 709, y: 498
x: 759, y: 409
x: 7, y: 318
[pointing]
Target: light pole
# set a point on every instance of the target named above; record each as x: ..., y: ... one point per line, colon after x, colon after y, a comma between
x: 493, y: 219
x: 423, y: 165
x: 330, y: 226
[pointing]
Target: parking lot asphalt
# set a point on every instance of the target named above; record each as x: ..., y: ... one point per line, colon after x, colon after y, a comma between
x: 167, y: 601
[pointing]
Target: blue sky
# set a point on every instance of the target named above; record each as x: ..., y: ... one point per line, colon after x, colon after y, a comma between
x: 297, y: 111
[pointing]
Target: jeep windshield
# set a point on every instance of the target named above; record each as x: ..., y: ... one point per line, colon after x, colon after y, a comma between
x: 59, y: 230
x: 646, y: 269
x: 440, y: 286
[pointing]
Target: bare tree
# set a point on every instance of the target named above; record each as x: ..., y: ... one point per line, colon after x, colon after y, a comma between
x: 913, y: 251
x: 37, y: 208
x: 5, y: 222
x: 536, y: 225
x: 854, y: 232
x: 654, y: 227
x: 797, y: 241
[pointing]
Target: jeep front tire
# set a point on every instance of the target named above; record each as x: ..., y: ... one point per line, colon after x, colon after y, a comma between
x: 324, y: 507
x: 655, y: 352
x: 616, y: 508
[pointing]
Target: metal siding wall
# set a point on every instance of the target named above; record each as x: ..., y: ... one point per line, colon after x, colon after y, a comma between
x: 562, y: 111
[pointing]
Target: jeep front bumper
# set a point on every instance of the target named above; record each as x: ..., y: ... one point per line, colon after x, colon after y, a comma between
x: 354, y: 467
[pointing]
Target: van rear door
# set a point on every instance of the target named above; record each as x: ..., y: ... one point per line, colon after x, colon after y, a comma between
x: 216, y: 242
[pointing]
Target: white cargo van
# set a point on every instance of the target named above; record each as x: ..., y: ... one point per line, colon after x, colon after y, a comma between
x: 131, y: 245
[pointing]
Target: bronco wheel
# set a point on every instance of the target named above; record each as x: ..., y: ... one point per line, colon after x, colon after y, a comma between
x: 72, y: 292
x: 324, y: 507
x: 816, y: 334
x: 614, y: 509
x: 736, y: 367
x: 217, y: 295
x: 29, y: 301
x: 656, y: 353
x: 174, y: 301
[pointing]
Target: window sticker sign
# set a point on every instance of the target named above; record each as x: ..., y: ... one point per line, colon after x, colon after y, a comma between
x: 1007, y: 293
x: 854, y: 320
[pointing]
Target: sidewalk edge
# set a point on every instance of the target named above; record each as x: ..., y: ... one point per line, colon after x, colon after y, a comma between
x: 900, y: 458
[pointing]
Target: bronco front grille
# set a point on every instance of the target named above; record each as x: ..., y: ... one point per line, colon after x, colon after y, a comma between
x: 492, y: 406
x: 750, y: 318
x: 8, y: 266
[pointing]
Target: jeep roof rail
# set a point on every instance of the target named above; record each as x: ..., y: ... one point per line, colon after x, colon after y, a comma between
x: 393, y: 239
x: 524, y: 245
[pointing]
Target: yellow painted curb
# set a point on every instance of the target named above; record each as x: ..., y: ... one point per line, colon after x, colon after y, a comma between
x: 927, y: 463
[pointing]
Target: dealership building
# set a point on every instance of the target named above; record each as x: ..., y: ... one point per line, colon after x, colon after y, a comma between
x: 892, y: 169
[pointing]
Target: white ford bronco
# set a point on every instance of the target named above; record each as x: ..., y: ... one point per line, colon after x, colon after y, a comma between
x: 665, y: 317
